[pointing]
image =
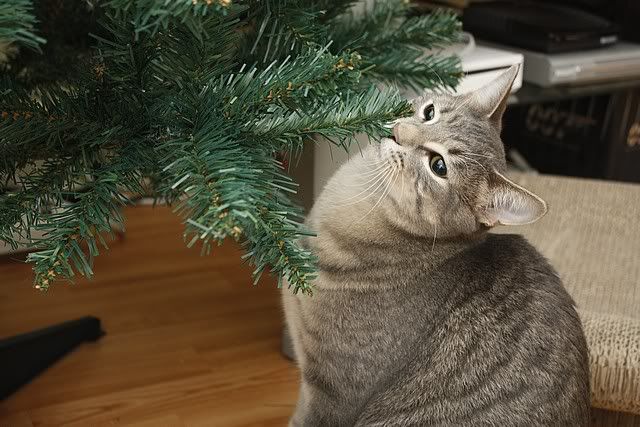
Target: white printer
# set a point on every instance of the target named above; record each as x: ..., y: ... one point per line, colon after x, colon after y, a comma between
x: 615, y: 62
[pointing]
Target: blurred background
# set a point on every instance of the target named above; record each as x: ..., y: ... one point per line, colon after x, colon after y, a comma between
x: 574, y: 110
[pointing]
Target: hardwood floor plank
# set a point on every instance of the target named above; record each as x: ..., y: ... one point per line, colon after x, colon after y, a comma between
x: 19, y: 419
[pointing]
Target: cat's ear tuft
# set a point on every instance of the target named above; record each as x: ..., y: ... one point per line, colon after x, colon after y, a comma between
x: 492, y: 98
x: 506, y: 203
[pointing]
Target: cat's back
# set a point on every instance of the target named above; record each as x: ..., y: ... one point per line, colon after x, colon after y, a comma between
x: 502, y: 271
x: 504, y: 345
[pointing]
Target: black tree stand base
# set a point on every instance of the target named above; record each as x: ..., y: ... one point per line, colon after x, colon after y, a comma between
x: 23, y: 357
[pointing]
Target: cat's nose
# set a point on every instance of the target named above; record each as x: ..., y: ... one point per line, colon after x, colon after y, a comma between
x: 405, y: 132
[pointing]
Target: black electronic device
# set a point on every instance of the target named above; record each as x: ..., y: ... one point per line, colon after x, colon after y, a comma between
x: 539, y: 26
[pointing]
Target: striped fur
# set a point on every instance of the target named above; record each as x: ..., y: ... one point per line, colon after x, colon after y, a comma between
x: 420, y: 317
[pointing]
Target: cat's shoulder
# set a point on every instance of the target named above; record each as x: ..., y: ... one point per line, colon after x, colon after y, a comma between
x: 511, y: 242
x: 504, y: 262
x: 500, y: 254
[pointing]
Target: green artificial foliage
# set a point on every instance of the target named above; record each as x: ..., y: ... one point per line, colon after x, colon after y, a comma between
x: 192, y: 102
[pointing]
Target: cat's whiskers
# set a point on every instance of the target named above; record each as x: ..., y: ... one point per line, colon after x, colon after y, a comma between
x: 392, y: 180
x: 370, y: 176
x: 374, y: 181
x: 374, y: 161
x: 460, y: 159
x: 437, y: 75
x: 463, y: 103
x: 373, y: 171
x: 464, y: 163
x: 373, y: 165
x: 474, y: 161
x: 435, y: 233
x: 369, y: 180
x: 378, y: 184
x: 402, y: 191
x: 401, y: 202
x: 478, y: 155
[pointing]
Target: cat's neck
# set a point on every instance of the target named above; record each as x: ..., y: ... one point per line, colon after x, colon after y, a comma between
x: 343, y: 242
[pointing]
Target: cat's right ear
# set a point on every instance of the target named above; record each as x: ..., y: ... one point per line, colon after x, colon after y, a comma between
x: 491, y: 99
x: 505, y: 202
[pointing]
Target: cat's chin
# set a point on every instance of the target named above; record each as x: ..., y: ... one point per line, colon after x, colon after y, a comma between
x: 387, y: 145
x: 390, y: 140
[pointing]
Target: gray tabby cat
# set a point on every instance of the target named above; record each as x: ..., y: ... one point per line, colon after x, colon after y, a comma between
x: 420, y: 317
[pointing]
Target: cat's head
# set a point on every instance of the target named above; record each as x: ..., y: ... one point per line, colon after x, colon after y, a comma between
x: 450, y: 161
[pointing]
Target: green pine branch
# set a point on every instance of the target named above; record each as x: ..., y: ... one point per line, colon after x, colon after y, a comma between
x: 17, y: 24
x: 400, y: 49
x: 201, y: 97
x: 415, y: 70
x: 88, y: 218
x: 151, y: 16
x: 236, y: 193
x: 386, y: 25
x: 339, y: 119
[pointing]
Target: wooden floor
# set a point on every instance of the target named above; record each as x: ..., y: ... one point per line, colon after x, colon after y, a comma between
x: 189, y: 341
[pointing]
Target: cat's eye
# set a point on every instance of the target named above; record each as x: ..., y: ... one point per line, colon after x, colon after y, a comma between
x: 438, y: 165
x: 429, y: 113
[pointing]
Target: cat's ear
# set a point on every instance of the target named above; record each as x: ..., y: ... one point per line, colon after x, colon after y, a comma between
x: 506, y: 203
x: 491, y: 99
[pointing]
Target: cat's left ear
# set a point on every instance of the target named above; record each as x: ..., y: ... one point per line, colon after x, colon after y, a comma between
x: 505, y: 202
x: 491, y: 100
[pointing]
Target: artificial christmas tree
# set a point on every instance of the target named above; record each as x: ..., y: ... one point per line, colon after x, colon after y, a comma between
x: 191, y: 101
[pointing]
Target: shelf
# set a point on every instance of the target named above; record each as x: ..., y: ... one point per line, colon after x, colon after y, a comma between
x: 532, y: 94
